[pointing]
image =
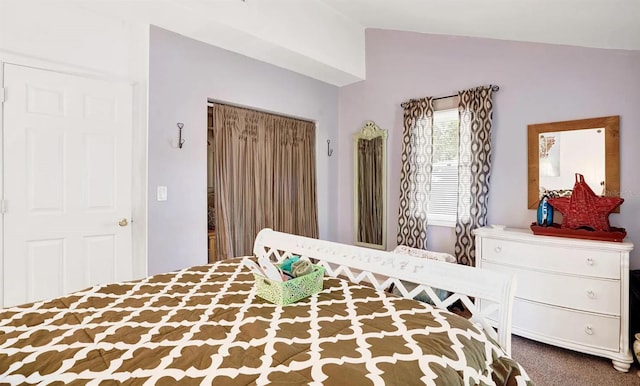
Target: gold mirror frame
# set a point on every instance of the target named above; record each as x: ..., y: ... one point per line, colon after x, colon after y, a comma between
x: 368, y: 132
x: 612, y: 152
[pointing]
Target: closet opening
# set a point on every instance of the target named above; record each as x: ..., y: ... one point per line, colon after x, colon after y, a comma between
x: 261, y: 173
x: 211, y: 208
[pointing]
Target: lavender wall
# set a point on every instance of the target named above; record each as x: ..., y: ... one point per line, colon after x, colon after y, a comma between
x: 183, y: 75
x: 538, y: 83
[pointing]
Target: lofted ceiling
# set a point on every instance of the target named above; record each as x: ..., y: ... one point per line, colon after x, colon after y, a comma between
x: 588, y: 23
x: 324, y: 39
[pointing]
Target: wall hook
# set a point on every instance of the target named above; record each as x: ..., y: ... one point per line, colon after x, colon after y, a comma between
x: 180, y: 140
x: 329, y: 149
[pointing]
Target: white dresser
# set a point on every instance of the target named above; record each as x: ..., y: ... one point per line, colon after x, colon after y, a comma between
x: 570, y: 293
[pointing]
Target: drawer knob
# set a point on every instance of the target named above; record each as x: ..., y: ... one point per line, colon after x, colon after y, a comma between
x: 588, y: 330
x: 591, y: 294
x: 498, y: 249
x: 589, y: 261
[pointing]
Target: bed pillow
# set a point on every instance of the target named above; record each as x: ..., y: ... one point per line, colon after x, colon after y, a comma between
x: 440, y: 256
x: 422, y: 253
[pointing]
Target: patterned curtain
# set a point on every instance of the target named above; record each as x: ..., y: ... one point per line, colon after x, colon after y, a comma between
x: 264, y: 176
x: 415, y: 177
x: 474, y: 168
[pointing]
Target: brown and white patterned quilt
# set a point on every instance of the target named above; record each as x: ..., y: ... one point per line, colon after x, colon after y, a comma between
x: 204, y: 325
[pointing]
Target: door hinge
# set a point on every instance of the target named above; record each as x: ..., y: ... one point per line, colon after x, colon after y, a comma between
x: 3, y: 206
x: 3, y: 94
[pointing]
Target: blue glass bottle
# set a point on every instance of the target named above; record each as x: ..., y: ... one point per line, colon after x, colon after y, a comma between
x: 545, y: 212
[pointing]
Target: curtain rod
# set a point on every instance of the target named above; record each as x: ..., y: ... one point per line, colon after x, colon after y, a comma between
x: 404, y: 104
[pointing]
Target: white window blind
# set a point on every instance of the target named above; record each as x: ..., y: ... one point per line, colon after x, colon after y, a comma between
x: 443, y: 202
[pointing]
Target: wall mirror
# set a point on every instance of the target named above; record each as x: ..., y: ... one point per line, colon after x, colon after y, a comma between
x: 370, y: 186
x: 559, y: 150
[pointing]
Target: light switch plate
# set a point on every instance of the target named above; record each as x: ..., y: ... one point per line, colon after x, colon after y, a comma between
x: 162, y: 193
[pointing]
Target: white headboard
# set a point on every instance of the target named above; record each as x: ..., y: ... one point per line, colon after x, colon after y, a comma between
x: 381, y: 269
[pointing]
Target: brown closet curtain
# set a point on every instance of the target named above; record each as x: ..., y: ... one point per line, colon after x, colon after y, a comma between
x: 264, y: 173
x: 370, y: 190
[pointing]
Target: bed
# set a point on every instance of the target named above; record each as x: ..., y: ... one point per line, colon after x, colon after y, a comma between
x: 205, y: 325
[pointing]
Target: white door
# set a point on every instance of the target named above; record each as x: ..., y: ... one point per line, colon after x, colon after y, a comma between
x: 67, y: 183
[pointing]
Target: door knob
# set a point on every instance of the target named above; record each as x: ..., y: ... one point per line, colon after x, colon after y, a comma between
x: 123, y: 222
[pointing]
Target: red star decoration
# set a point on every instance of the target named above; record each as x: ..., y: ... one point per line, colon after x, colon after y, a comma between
x: 584, y: 208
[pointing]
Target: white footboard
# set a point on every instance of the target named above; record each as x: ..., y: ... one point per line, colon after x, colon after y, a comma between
x: 381, y: 269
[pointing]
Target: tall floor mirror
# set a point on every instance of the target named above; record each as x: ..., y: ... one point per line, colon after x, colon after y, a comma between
x: 370, y: 186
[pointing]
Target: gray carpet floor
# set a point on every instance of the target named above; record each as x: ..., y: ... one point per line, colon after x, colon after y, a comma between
x: 552, y: 366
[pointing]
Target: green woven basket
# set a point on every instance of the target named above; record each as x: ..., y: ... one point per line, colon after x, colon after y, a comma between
x: 292, y: 290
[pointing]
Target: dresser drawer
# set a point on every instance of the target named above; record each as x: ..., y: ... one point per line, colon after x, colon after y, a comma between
x: 562, y: 259
x: 582, y: 293
x: 553, y: 324
x: 571, y: 293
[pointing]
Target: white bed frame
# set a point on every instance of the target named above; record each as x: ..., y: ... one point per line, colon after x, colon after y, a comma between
x: 380, y: 269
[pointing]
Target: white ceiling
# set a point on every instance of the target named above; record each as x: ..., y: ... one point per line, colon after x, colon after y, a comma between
x: 588, y: 23
x: 324, y: 39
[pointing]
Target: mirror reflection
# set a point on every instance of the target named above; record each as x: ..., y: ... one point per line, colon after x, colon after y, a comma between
x: 370, y: 186
x: 583, y: 153
x: 559, y: 150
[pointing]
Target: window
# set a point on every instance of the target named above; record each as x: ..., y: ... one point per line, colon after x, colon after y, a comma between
x: 443, y: 203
